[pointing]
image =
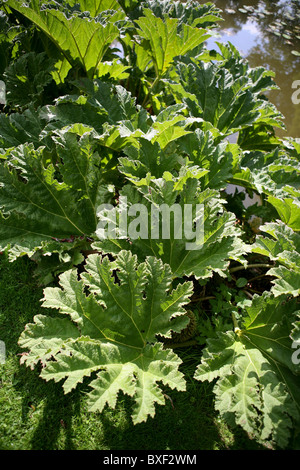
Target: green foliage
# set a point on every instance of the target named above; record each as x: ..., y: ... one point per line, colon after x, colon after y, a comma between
x: 257, y: 386
x: 283, y: 246
x: 80, y: 40
x: 225, y: 94
x: 45, y: 200
x: 111, y: 104
x: 27, y: 79
x: 112, y: 330
x: 163, y: 40
x: 219, y: 242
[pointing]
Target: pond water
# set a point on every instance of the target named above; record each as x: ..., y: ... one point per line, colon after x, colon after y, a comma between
x: 267, y: 33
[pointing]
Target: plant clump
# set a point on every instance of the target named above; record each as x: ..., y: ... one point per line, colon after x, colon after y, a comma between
x: 115, y: 160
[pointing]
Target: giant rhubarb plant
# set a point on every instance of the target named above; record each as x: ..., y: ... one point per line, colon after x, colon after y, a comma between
x: 113, y: 105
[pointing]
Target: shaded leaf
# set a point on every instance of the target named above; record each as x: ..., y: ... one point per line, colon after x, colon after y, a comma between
x: 254, y: 370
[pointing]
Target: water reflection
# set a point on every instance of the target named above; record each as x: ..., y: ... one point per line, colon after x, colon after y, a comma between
x: 267, y: 33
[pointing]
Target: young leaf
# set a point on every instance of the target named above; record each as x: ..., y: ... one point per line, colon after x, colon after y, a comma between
x: 99, y: 105
x: 164, y: 41
x: 94, y: 7
x: 275, y: 174
x: 221, y: 160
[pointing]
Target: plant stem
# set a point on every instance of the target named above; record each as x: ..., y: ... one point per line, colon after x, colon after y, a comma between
x: 248, y: 294
x: 200, y: 299
x: 257, y: 277
x: 145, y: 102
x: 254, y: 291
x: 235, y: 323
x: 184, y: 344
x: 240, y: 268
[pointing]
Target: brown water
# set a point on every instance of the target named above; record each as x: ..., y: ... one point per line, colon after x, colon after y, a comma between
x: 268, y: 34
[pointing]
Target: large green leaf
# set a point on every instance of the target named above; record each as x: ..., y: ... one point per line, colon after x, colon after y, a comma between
x: 21, y: 128
x: 275, y: 174
x: 281, y: 244
x: 288, y: 209
x: 221, y: 160
x: 114, y: 313
x: 26, y: 80
x: 81, y: 40
x: 163, y: 41
x: 188, y: 251
x: 257, y: 384
x: 224, y: 96
x: 40, y: 200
